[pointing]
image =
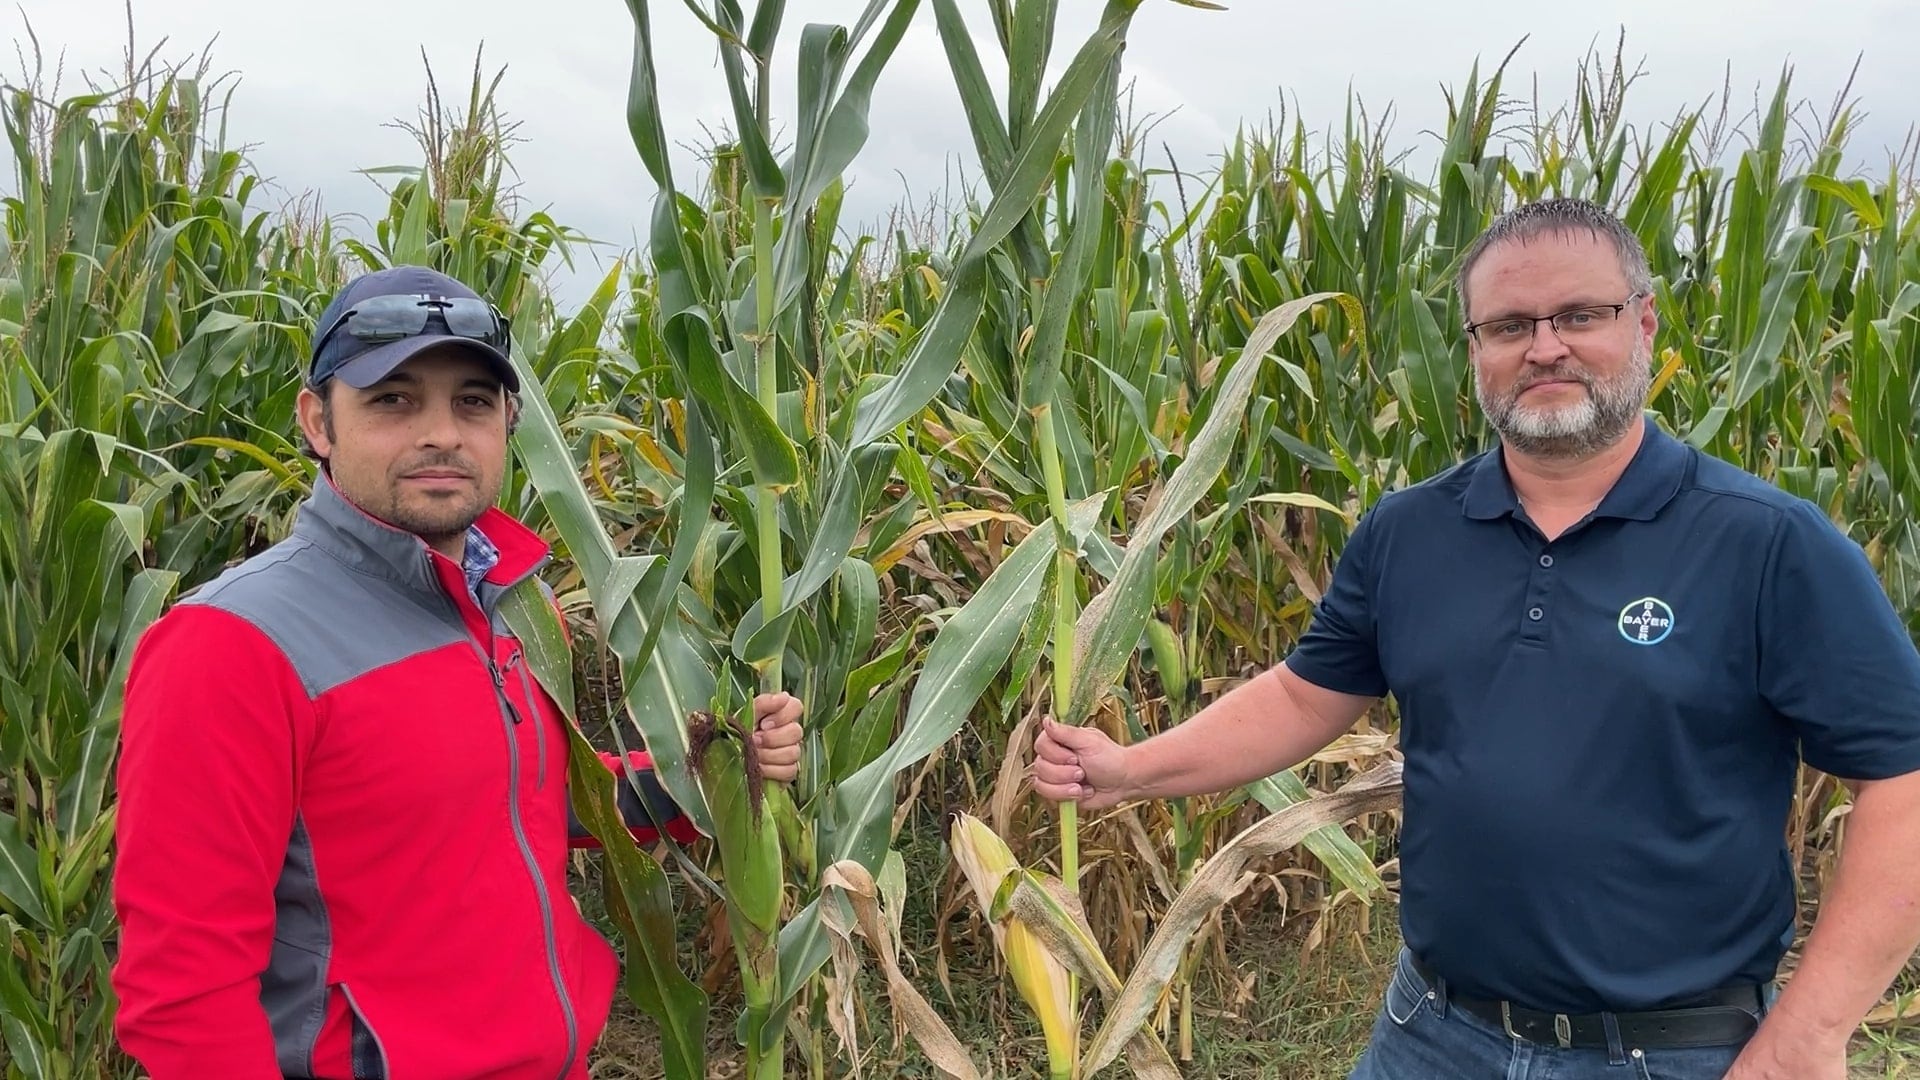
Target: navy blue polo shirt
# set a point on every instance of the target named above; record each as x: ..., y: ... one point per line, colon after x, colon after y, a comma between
x: 1601, y: 732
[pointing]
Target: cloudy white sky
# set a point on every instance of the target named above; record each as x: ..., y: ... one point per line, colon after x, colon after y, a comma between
x: 318, y: 84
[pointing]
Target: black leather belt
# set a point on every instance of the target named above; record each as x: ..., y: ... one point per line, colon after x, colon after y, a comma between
x: 1723, y: 1017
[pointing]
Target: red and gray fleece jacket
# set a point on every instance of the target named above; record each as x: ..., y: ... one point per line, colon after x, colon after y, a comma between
x: 344, y: 824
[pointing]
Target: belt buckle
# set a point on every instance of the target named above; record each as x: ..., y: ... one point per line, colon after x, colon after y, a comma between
x: 1562, y: 1026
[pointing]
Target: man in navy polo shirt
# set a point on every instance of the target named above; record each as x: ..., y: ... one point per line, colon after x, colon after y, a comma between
x: 1610, y: 652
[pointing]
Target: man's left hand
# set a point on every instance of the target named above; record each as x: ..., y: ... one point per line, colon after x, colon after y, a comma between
x: 777, y: 734
x: 1777, y: 1054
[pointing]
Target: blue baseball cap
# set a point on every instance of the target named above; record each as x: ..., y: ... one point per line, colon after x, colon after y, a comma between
x: 381, y: 319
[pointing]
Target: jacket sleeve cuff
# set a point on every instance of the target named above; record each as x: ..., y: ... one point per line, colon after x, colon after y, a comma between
x: 646, y: 807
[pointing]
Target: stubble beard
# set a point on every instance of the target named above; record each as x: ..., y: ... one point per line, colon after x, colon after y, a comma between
x: 435, y: 518
x: 1594, y: 422
x: 438, y: 521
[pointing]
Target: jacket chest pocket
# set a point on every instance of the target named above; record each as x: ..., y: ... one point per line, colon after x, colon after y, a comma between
x: 538, y: 739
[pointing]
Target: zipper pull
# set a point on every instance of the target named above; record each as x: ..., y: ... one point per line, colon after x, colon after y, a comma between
x: 500, y: 687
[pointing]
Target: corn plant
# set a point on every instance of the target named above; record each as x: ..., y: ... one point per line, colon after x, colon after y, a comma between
x: 720, y: 335
x: 1109, y: 631
x: 135, y: 278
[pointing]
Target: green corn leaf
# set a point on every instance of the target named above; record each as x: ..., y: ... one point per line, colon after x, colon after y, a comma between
x: 29, y: 1037
x: 968, y: 653
x: 1029, y: 43
x: 639, y: 898
x: 1758, y: 362
x: 613, y: 601
x: 856, y: 621
x: 1110, y: 627
x: 755, y: 639
x: 543, y: 453
x: 72, y: 463
x: 643, y: 103
x: 762, y: 170
x: 28, y: 1050
x: 410, y: 247
x: 1433, y: 372
x: 20, y: 874
x: 84, y: 789
x: 1330, y: 844
x: 1092, y: 142
x: 990, y: 139
x: 766, y: 27
x: 770, y: 454
x: 937, y: 351
x: 825, y: 151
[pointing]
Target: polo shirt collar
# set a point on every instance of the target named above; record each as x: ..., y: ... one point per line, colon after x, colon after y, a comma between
x: 1650, y: 481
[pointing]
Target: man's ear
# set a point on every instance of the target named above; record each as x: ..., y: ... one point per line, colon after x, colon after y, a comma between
x: 513, y: 413
x: 312, y: 410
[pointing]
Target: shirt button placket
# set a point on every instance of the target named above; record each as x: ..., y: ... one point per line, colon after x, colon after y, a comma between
x: 1533, y: 627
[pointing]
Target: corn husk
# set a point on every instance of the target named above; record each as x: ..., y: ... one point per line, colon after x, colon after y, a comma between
x: 1040, y: 979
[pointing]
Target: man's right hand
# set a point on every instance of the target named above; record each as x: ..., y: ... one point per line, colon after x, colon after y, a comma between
x: 1079, y: 764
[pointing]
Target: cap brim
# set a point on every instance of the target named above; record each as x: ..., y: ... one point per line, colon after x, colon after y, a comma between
x: 379, y: 362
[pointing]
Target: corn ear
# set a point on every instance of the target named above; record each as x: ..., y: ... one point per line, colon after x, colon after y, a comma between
x: 796, y: 831
x: 749, y: 841
x: 1041, y: 979
x: 745, y: 831
x: 1168, y: 658
x: 1043, y: 985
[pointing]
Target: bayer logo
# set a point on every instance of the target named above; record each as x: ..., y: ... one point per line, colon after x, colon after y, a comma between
x: 1646, y: 621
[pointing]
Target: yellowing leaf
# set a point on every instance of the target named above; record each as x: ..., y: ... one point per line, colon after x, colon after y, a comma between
x: 852, y: 881
x: 957, y: 521
x: 1671, y: 362
x: 1304, y: 499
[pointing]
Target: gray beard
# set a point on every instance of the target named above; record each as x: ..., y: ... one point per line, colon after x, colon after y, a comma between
x: 1583, y: 428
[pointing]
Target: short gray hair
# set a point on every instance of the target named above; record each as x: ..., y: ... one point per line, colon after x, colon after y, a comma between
x: 1529, y: 220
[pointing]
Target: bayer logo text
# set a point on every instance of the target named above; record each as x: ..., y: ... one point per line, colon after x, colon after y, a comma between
x: 1646, y: 621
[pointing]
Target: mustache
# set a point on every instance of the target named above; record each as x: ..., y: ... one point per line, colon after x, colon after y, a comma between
x: 1554, y: 374
x: 438, y: 463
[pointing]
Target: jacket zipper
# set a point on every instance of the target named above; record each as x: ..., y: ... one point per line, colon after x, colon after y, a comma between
x: 510, y: 717
x: 362, y: 1068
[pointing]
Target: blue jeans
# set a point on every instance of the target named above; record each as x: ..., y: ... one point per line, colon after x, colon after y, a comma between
x: 1418, y: 1036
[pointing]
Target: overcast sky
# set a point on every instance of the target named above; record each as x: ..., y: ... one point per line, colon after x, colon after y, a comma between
x: 320, y: 83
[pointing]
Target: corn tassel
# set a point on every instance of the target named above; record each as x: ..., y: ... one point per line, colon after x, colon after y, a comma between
x: 1040, y: 979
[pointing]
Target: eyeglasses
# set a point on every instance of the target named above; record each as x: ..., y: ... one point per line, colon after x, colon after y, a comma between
x: 390, y: 318
x: 1516, y: 331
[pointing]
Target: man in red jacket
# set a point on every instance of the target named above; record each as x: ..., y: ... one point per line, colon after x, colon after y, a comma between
x: 344, y: 819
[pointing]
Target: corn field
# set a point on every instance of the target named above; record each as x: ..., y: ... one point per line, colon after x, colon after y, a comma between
x: 1087, y: 446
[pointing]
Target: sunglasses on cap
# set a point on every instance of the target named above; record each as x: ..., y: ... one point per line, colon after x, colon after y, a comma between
x: 380, y: 319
